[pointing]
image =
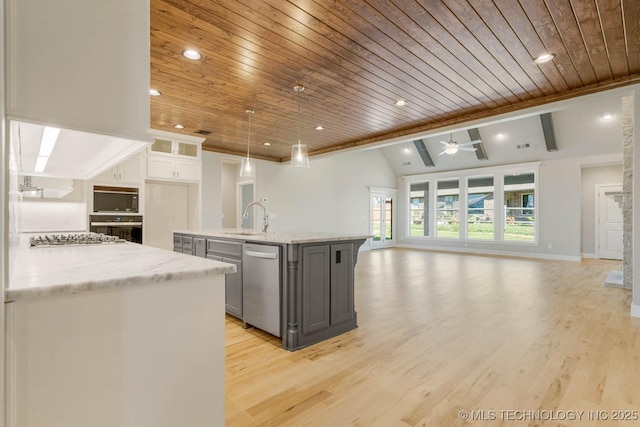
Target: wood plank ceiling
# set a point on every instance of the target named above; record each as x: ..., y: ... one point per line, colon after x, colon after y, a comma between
x: 451, y: 60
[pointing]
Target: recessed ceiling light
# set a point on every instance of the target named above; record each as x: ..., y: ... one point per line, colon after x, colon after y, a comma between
x: 154, y: 92
x: 266, y: 144
x: 319, y: 127
x: 407, y: 150
x: 400, y: 102
x: 178, y: 126
x: 545, y: 57
x: 500, y: 136
x: 191, y: 54
x: 607, y: 116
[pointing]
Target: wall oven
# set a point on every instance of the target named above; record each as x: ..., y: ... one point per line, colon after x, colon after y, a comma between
x: 115, y: 199
x: 127, y: 227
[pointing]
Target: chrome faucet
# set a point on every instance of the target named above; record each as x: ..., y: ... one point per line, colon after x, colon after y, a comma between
x: 265, y: 218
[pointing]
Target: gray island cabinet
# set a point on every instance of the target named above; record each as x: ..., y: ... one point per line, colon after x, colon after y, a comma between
x: 315, y: 283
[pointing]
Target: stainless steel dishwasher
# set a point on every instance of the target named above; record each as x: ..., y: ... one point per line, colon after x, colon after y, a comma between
x: 261, y: 287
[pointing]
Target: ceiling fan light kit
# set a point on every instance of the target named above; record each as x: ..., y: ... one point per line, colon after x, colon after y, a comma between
x: 451, y: 147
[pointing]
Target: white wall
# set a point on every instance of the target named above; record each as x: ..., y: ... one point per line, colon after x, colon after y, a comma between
x: 331, y: 196
x: 592, y: 176
x: 559, y: 214
x: 66, y: 214
x: 5, y: 182
x: 635, y: 306
x: 229, y: 194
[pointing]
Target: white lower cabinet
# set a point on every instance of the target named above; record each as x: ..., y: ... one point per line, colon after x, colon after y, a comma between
x: 138, y: 356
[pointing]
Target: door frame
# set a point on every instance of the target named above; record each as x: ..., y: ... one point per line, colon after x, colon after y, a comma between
x: 601, y: 189
x: 384, y: 193
x: 239, y: 207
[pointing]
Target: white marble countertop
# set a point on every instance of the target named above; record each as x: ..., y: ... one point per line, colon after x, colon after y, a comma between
x: 47, y: 271
x: 285, y: 237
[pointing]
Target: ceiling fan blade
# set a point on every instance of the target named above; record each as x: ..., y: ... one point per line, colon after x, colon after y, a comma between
x: 466, y: 149
x: 464, y: 144
x: 442, y: 153
x: 444, y: 143
x: 476, y: 141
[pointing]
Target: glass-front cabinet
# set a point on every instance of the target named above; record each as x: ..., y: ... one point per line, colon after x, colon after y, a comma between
x: 174, y: 157
x: 175, y: 148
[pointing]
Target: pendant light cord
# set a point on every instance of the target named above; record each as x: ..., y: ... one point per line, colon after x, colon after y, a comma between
x: 298, y: 88
x: 298, y: 117
x: 250, y: 113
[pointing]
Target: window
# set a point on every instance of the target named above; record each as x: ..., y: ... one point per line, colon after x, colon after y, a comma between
x: 480, y: 208
x: 448, y: 209
x: 495, y: 204
x: 419, y: 209
x: 520, y: 211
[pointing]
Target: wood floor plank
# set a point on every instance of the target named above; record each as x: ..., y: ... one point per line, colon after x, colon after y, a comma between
x: 441, y: 333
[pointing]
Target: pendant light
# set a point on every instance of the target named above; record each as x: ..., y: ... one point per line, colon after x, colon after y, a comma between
x: 299, y: 154
x: 248, y: 165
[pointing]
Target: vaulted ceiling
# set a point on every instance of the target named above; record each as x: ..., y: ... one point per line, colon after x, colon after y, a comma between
x: 451, y: 61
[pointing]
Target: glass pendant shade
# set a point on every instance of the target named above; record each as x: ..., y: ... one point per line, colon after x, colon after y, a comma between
x: 248, y: 167
x: 299, y: 156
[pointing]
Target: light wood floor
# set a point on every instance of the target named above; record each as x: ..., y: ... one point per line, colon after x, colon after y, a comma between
x: 440, y: 333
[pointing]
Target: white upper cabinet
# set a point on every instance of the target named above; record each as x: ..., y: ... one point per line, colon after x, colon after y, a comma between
x: 174, y: 157
x: 79, y: 64
x: 175, y: 148
x: 129, y: 171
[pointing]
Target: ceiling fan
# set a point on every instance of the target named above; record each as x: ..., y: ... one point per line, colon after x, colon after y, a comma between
x: 451, y: 147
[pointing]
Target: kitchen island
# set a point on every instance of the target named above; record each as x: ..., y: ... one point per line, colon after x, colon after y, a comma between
x: 312, y: 294
x: 114, y: 335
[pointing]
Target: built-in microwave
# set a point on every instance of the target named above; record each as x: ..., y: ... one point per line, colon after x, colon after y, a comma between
x: 115, y: 199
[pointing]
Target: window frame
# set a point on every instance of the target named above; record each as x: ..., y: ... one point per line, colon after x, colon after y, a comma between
x: 498, y: 173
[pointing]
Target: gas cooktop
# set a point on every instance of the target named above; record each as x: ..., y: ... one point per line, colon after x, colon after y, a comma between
x: 48, y: 240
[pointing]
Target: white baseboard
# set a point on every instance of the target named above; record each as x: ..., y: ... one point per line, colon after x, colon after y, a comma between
x: 589, y: 255
x: 635, y: 310
x: 492, y: 252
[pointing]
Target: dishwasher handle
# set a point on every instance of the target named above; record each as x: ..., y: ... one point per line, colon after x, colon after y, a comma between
x: 266, y: 255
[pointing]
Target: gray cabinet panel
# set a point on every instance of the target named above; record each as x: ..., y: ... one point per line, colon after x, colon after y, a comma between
x: 187, y: 244
x: 225, y: 248
x: 315, y: 289
x: 342, y: 283
x: 177, y: 242
x: 200, y: 247
x: 220, y: 250
x: 233, y: 289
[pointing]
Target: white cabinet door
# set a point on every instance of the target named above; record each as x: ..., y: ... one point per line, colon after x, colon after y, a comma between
x: 111, y: 175
x: 187, y: 150
x: 160, y: 167
x: 166, y: 209
x: 131, y: 170
x: 187, y: 170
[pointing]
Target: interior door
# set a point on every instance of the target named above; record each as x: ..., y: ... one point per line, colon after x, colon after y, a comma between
x: 609, y: 224
x: 382, y: 219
